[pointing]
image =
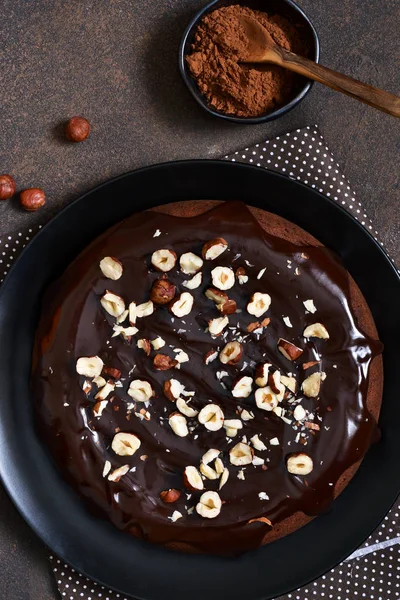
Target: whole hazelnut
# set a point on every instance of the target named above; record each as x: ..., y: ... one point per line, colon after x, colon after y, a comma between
x: 32, y: 199
x: 77, y: 129
x: 7, y: 187
x: 162, y: 291
x: 169, y: 496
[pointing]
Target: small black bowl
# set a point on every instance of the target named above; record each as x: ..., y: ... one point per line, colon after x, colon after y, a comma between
x: 286, y: 8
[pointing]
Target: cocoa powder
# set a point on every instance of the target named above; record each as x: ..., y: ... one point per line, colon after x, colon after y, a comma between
x: 239, y: 89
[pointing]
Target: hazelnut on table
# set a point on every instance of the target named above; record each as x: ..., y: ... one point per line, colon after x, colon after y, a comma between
x: 77, y: 129
x: 7, y: 187
x: 32, y: 199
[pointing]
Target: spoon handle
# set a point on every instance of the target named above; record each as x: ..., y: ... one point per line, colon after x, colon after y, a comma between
x: 385, y: 101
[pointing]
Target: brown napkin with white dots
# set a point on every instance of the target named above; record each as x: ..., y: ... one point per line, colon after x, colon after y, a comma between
x: 373, y: 571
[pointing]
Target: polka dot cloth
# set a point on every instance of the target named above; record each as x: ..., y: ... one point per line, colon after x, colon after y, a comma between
x: 373, y: 571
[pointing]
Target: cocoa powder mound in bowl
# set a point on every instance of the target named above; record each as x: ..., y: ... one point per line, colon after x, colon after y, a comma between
x: 208, y: 60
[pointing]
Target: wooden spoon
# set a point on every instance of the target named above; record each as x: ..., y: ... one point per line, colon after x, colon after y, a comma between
x: 263, y: 49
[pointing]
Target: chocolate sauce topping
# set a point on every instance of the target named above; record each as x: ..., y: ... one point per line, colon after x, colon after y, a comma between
x: 74, y: 325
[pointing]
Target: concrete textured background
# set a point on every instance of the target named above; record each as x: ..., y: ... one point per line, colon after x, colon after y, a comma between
x: 115, y: 62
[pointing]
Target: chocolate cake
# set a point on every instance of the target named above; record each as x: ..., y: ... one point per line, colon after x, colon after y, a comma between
x: 206, y: 376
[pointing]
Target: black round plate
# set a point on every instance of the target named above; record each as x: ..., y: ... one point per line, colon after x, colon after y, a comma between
x: 57, y: 514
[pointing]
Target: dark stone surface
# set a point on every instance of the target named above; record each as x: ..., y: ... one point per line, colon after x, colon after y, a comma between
x: 115, y: 62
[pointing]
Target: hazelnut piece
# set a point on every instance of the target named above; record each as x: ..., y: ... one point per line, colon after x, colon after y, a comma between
x: 105, y: 391
x: 208, y: 471
x: 242, y: 388
x: 162, y: 291
x: 118, y: 473
x: 308, y: 365
x: 241, y: 275
x: 257, y: 443
x: 192, y: 479
x: 223, y: 278
x: 289, y: 350
x: 89, y: 366
x: 111, y: 267
x: 210, y: 356
x: 125, y: 332
x: 112, y: 372
x: 262, y: 374
x: 217, y: 296
x: 32, y: 199
x: 299, y: 413
x: 274, y: 381
x: 259, y: 304
x: 212, y: 417
x: 289, y: 383
x: 216, y: 326
x: 140, y: 390
x: 132, y: 312
x: 125, y: 444
x: 310, y: 306
x: 266, y: 399
x: 175, y: 516
x: 182, y: 305
x: 185, y: 409
x: 87, y: 387
x: 163, y: 362
x: 224, y: 478
x: 231, y: 353
x: 209, y: 505
x: 163, y: 259
x: 316, y: 330
x: 144, y: 345
x: 172, y: 389
x: 312, y: 385
x: 157, y: 343
x: 214, y: 248
x: 7, y: 187
x: 112, y: 304
x: 241, y: 455
x: 232, y: 427
x: 99, y: 407
x: 194, y: 282
x: 299, y: 463
x: 169, y: 496
x: 190, y: 263
x: 77, y: 129
x: 225, y: 305
x: 143, y: 310
x: 210, y: 455
x: 227, y: 308
x: 178, y: 424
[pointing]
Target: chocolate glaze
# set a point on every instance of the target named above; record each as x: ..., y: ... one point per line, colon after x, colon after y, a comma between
x: 73, y: 324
